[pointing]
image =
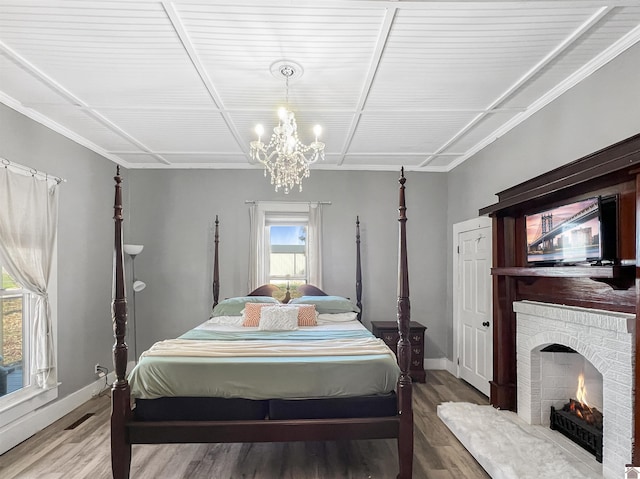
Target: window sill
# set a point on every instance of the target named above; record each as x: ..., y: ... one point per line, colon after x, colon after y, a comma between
x: 20, y: 403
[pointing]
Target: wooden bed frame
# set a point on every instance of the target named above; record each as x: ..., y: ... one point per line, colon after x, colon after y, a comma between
x: 125, y: 430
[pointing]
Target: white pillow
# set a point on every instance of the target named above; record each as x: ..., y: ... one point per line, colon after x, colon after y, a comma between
x: 226, y: 320
x: 278, y: 318
x: 327, y: 318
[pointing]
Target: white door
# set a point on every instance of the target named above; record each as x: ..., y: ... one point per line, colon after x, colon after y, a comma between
x: 473, y: 303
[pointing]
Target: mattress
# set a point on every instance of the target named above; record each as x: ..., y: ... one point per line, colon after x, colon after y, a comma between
x: 353, y: 363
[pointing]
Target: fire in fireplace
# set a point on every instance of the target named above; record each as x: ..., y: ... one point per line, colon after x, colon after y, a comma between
x: 580, y: 422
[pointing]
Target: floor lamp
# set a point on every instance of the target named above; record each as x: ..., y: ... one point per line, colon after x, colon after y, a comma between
x: 134, y: 250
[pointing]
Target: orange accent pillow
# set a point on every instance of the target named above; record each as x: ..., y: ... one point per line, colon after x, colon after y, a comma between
x: 306, y: 314
x: 252, y: 314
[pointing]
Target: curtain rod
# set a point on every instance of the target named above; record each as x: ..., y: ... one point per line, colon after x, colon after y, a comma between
x: 31, y: 171
x: 254, y: 202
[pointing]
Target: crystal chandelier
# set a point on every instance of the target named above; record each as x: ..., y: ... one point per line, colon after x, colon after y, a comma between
x: 285, y: 157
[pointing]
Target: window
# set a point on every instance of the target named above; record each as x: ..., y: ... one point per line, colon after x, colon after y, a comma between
x: 286, y: 252
x: 14, y: 336
x: 28, y: 298
x: 286, y: 245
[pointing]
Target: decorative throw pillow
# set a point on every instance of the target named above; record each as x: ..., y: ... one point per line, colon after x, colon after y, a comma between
x: 278, y: 318
x: 251, y: 313
x: 306, y: 314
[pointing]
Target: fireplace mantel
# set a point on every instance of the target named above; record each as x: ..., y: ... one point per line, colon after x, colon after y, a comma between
x: 612, y: 170
x: 617, y: 276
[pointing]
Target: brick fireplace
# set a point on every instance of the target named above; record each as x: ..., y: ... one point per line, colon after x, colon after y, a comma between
x: 606, y: 341
x: 613, y: 286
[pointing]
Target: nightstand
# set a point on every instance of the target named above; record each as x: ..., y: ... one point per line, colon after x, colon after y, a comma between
x: 388, y: 332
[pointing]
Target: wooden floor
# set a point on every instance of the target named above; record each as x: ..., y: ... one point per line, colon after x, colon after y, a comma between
x: 83, y: 452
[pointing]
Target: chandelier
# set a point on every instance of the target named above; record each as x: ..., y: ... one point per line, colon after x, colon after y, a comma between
x: 285, y: 157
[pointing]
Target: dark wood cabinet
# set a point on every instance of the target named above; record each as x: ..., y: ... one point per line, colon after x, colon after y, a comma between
x: 388, y: 332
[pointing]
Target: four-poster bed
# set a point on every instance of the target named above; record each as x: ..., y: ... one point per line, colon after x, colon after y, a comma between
x: 280, y: 419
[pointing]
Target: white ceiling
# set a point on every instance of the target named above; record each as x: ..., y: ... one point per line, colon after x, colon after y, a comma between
x: 424, y: 84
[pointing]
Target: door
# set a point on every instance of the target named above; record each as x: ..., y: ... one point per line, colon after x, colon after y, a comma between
x: 473, y: 302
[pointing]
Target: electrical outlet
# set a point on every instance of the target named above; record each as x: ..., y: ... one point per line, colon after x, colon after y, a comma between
x: 100, y: 370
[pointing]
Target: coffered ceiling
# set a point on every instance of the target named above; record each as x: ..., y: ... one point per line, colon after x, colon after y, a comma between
x: 424, y: 84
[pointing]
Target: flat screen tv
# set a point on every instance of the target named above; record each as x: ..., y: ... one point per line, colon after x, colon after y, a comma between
x: 578, y: 232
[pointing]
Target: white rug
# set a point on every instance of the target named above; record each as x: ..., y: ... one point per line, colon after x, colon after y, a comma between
x: 509, y: 448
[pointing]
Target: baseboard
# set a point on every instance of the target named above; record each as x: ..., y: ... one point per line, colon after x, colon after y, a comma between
x: 439, y: 364
x: 21, y: 429
x: 452, y: 368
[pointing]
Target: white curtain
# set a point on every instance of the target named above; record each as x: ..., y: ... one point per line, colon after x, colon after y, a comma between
x: 28, y: 229
x: 256, y: 247
x: 315, y: 244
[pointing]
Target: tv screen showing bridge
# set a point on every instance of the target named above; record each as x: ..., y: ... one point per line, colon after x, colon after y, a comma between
x: 566, y: 233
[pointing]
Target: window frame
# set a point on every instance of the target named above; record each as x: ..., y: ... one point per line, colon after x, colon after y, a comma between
x: 257, y: 212
x: 28, y: 303
x: 25, y: 401
x: 284, y: 219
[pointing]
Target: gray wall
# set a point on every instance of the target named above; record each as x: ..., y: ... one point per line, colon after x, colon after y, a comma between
x: 600, y: 111
x: 172, y: 215
x: 85, y: 239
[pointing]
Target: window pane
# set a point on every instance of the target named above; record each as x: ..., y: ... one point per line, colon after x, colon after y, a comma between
x: 12, y: 302
x: 8, y: 282
x: 288, y: 235
x: 300, y: 264
x: 288, y: 252
x: 282, y: 285
x: 282, y: 264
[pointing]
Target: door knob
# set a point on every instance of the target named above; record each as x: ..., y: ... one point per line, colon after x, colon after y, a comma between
x: 486, y: 324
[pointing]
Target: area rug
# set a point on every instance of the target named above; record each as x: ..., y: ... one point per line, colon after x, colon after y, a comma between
x: 509, y: 448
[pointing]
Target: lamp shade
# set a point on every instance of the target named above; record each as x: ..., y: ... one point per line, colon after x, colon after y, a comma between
x: 139, y: 285
x: 133, y: 249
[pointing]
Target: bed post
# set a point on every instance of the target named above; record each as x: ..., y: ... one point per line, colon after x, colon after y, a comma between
x: 120, y: 394
x: 405, y: 439
x: 216, y: 276
x: 358, y: 271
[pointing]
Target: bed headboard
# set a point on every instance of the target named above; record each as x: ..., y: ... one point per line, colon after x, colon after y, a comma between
x: 305, y: 289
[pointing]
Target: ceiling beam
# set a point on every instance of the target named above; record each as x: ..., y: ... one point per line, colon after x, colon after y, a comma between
x: 605, y: 57
x: 76, y: 102
x: 383, y: 35
x: 537, y: 68
x: 176, y: 21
